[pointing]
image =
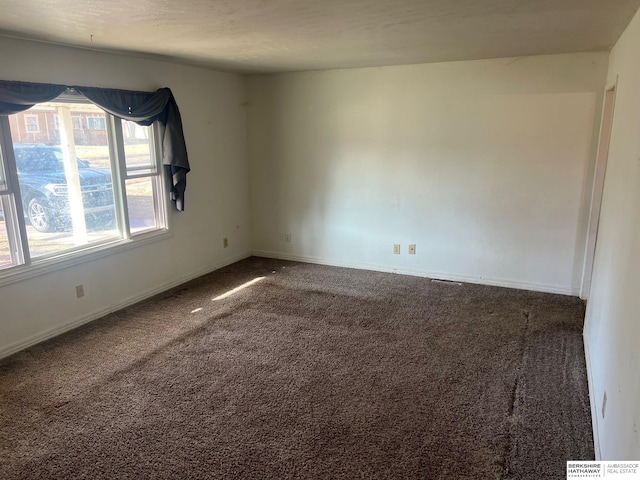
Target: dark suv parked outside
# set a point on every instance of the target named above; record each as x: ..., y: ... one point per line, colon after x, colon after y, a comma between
x: 43, y: 187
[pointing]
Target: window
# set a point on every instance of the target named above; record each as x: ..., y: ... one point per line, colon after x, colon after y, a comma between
x: 31, y: 123
x: 83, y: 193
x: 76, y: 120
x: 96, y: 123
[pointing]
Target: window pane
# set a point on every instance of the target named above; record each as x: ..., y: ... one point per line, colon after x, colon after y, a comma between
x: 96, y: 123
x: 137, y: 148
x: 31, y: 123
x: 142, y: 210
x: 5, y: 249
x: 67, y: 202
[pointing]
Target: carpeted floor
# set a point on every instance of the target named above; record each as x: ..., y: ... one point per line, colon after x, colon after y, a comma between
x: 313, y: 372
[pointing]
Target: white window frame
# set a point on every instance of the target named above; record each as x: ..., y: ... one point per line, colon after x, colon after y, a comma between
x: 27, y: 125
x: 25, y: 267
x: 93, y: 118
x: 126, y: 173
x: 77, y: 122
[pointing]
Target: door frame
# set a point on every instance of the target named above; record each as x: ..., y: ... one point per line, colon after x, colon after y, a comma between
x: 604, y: 141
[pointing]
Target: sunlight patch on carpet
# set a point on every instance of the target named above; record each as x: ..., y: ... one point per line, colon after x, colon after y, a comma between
x: 237, y: 289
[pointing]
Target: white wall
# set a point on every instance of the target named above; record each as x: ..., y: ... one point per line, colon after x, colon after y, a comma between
x: 484, y: 165
x: 612, y: 329
x: 217, y: 198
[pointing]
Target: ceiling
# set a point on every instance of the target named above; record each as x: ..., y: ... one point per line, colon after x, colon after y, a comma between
x: 252, y: 36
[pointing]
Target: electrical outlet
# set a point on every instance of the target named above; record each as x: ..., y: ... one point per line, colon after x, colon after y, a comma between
x: 225, y: 242
x: 396, y: 249
x: 79, y: 290
x: 287, y: 237
x: 412, y: 249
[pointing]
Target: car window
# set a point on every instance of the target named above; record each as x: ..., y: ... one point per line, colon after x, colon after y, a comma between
x: 42, y: 160
x: 37, y: 161
x: 58, y: 154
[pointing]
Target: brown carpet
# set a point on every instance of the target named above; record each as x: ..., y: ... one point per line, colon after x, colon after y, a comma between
x: 313, y: 372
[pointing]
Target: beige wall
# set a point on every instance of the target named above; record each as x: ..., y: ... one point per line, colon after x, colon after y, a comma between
x: 483, y: 165
x: 612, y: 329
x: 217, y: 200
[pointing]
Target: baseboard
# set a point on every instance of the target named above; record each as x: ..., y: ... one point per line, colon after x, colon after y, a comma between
x: 592, y: 402
x: 54, y: 332
x: 496, y: 282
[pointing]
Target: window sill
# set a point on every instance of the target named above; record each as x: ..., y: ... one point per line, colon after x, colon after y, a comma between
x: 66, y: 260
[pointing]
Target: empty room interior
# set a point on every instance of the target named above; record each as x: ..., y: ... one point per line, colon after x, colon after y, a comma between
x: 408, y: 247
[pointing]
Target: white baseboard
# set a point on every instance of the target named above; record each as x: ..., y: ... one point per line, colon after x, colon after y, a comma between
x: 53, y: 332
x: 496, y: 282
